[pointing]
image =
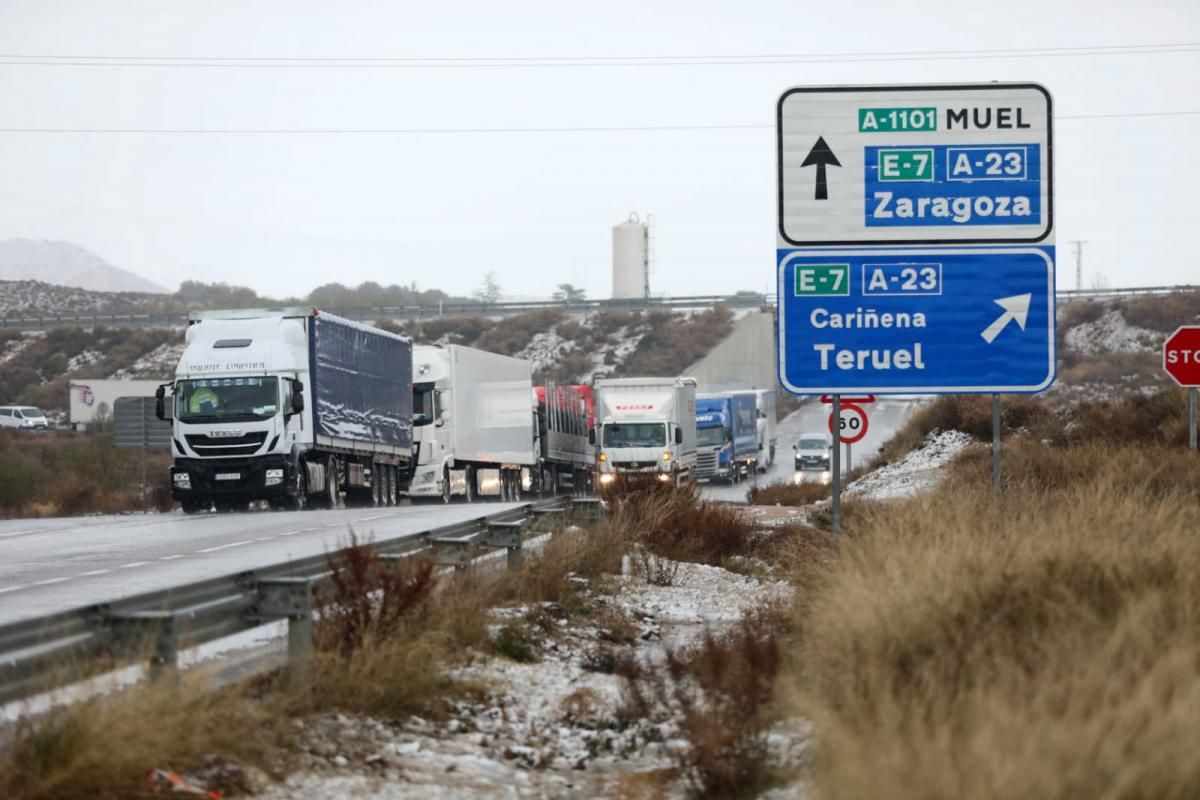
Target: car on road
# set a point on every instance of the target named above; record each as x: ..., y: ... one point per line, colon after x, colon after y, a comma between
x: 23, y: 417
x: 812, y: 451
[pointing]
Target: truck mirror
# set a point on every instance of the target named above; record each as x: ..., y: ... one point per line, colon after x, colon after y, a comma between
x: 297, y: 397
x: 679, y: 436
x: 160, y: 405
x: 592, y: 436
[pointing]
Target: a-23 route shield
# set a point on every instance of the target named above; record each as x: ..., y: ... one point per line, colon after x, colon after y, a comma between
x: 937, y: 320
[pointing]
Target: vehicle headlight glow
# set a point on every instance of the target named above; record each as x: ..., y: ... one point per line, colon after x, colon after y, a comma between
x: 666, y: 455
x: 664, y: 477
x: 607, y: 478
x: 273, y: 477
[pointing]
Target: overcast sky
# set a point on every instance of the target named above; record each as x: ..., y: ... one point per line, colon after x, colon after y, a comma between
x: 284, y: 212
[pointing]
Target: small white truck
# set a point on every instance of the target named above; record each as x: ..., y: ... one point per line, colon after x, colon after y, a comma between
x: 646, y: 426
x: 473, y: 424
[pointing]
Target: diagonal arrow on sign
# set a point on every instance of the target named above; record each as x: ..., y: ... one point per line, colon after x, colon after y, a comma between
x: 1015, y: 308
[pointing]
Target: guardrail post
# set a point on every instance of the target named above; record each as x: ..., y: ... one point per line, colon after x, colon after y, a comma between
x: 131, y: 634
x: 510, y: 536
x: 291, y: 599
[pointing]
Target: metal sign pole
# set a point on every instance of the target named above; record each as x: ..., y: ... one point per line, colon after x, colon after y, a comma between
x: 1192, y: 417
x: 996, y: 441
x: 837, y: 464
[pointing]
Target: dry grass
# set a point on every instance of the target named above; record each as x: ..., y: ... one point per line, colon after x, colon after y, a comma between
x: 1044, y: 642
x: 103, y: 748
x: 676, y: 524
x: 789, y: 493
x: 720, y: 695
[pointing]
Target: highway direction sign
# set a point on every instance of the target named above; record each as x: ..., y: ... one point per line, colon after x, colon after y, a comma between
x: 1181, y: 355
x: 915, y: 165
x: 915, y: 239
x: 945, y: 320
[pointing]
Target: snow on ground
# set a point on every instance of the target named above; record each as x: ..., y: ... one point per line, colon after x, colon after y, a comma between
x: 546, y: 729
x: 15, y: 347
x: 627, y: 343
x: 546, y: 349
x: 84, y: 359
x: 158, y: 363
x: 1111, y: 334
x: 916, y: 472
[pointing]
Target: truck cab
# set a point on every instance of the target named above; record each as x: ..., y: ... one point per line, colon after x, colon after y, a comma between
x: 646, y: 426
x: 714, y: 440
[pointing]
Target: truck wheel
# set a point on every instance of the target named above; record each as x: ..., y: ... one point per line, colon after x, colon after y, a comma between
x: 193, y: 506
x: 469, y: 497
x: 333, y: 494
x: 446, y: 496
x: 389, y: 485
x: 298, y: 500
x: 377, y: 484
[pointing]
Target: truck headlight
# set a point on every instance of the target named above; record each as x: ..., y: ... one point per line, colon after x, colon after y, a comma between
x: 273, y: 477
x: 664, y: 477
x: 182, y: 479
x: 607, y: 478
x: 666, y: 455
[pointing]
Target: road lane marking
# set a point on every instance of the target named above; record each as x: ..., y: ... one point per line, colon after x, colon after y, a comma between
x: 172, y: 558
x: 22, y: 532
x: 133, y: 564
x: 264, y: 538
x: 93, y: 572
x: 368, y: 519
x: 49, y: 581
x: 7, y: 589
x: 225, y: 546
x: 289, y: 533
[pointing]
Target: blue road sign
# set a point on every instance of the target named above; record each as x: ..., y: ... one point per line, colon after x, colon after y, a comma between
x: 932, y: 320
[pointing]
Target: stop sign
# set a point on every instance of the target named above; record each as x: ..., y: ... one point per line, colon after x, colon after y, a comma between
x: 1181, y: 355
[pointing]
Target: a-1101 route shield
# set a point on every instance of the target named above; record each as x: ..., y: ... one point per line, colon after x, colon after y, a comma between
x: 934, y: 320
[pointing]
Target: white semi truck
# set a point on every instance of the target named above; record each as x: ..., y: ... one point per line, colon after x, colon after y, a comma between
x: 646, y: 426
x: 474, y: 424
x: 288, y: 406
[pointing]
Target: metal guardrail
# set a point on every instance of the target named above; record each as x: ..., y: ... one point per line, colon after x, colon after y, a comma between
x: 45, y: 653
x: 372, y: 313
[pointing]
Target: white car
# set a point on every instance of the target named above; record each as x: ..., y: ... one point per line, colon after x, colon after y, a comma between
x: 25, y: 417
x: 813, y: 451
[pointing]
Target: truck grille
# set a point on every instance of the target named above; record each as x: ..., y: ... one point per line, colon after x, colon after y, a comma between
x: 246, y: 445
x: 706, y: 465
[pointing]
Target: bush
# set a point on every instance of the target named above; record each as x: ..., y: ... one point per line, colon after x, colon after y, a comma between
x: 720, y: 694
x: 676, y: 524
x: 1039, y: 642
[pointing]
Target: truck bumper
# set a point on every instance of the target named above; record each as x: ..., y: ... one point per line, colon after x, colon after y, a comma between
x: 197, y: 479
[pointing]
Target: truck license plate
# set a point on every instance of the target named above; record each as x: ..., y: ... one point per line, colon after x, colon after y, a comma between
x: 228, y: 476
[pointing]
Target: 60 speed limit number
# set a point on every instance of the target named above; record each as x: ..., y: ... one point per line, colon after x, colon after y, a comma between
x: 852, y: 426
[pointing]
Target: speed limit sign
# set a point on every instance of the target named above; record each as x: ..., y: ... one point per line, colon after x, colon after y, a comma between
x: 852, y: 426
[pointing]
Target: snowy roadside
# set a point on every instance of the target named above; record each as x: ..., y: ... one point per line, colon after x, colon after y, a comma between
x: 918, y: 471
x: 551, y: 728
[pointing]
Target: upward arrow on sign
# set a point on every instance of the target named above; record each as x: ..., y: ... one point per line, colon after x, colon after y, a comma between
x: 821, y: 156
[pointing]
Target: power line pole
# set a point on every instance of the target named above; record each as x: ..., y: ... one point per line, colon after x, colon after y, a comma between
x: 1079, y: 243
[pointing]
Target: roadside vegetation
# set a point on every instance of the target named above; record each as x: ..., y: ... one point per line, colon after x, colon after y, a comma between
x: 63, y: 474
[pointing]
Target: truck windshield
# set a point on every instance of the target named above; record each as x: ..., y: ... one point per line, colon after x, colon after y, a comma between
x: 710, y: 436
x: 635, y: 434
x: 226, y: 399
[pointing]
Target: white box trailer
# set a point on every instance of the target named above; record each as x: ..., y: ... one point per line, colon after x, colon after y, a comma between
x: 768, y: 437
x: 473, y: 421
x: 88, y: 398
x: 647, y: 426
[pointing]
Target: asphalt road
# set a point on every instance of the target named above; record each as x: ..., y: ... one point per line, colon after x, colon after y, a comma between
x: 53, y: 565
x: 885, y: 416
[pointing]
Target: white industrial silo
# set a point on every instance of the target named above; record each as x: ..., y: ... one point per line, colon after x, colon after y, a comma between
x: 631, y: 260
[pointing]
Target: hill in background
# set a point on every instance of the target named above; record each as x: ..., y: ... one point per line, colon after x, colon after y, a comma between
x: 67, y: 264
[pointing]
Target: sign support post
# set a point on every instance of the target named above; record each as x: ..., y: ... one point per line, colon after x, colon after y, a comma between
x: 1192, y: 417
x: 996, y: 441
x: 837, y: 467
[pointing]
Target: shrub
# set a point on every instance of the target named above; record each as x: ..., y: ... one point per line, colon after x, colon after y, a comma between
x: 513, y: 642
x: 720, y: 694
x: 1162, y: 313
x: 676, y: 524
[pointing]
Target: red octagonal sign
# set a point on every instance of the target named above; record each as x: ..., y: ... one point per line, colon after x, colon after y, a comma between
x: 1181, y: 355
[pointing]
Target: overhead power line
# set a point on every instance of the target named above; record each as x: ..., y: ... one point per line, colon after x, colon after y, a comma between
x: 575, y: 129
x: 527, y: 62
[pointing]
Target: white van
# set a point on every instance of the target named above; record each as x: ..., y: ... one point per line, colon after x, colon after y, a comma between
x: 813, y: 451
x: 25, y: 417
